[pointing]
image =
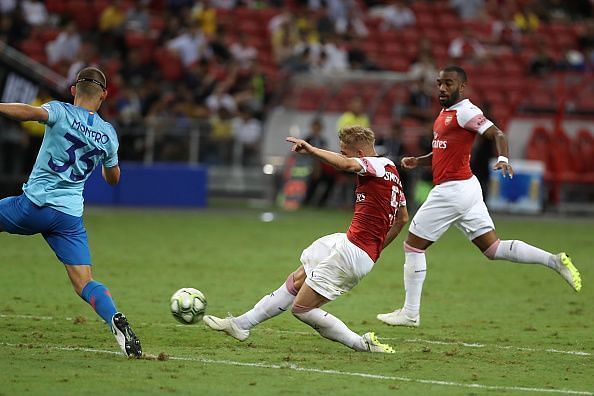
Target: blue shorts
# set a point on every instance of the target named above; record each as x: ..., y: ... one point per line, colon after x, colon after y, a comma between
x: 65, y: 234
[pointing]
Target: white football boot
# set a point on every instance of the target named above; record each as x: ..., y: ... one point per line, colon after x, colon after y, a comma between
x: 227, y: 325
x: 399, y: 318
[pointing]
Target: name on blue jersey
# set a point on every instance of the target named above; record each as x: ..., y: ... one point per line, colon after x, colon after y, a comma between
x: 96, y: 136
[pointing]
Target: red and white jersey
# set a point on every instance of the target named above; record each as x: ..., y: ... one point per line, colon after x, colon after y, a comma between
x: 379, y: 194
x: 453, y: 135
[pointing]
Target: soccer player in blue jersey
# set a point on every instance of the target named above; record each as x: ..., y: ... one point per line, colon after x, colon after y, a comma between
x: 76, y: 141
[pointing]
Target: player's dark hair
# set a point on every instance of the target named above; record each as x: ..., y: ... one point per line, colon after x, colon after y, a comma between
x: 90, y: 82
x: 458, y: 70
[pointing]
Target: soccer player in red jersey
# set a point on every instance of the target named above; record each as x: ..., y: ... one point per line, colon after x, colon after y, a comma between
x: 334, y: 264
x: 457, y: 198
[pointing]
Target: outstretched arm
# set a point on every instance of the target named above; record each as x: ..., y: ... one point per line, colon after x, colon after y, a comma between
x: 494, y: 133
x: 413, y: 162
x: 23, y: 112
x: 338, y: 161
x: 399, y: 222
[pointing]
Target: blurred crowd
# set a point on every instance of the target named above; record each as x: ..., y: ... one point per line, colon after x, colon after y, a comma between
x: 206, y: 66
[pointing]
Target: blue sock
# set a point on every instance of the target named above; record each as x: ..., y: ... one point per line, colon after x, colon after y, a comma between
x: 98, y: 296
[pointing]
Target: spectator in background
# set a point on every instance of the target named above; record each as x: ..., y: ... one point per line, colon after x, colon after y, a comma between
x: 353, y: 116
x: 205, y: 14
x: 391, y: 147
x: 395, y: 16
x: 243, y: 53
x: 357, y: 57
x: 138, y: 17
x: 190, y: 46
x: 170, y: 31
x: 220, y: 99
x: 424, y: 69
x: 504, y: 33
x: 112, y: 18
x: 135, y: 70
x: 35, y: 130
x: 34, y: 12
x: 333, y: 57
x: 542, y: 63
x: 111, y: 27
x: 526, y: 20
x: 586, y: 41
x: 322, y: 175
x: 418, y: 105
x: 84, y: 57
x: 219, y: 47
x: 467, y: 48
x: 220, y: 140
x: 247, y: 133
x: 12, y: 28
x: 284, y: 38
x: 468, y: 9
x: 7, y: 6
x: 351, y: 26
x: 65, y: 47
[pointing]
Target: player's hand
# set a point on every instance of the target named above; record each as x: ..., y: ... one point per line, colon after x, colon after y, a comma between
x: 299, y: 145
x: 506, y: 169
x: 409, y: 162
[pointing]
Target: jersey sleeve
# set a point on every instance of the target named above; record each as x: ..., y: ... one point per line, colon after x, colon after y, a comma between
x: 111, y: 157
x: 472, y: 119
x: 372, y: 166
x: 54, y: 111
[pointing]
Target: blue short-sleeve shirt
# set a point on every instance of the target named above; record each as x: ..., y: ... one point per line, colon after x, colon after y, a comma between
x: 76, y: 140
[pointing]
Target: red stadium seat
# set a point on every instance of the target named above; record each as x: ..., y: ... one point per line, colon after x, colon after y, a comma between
x: 55, y: 6
x: 169, y: 65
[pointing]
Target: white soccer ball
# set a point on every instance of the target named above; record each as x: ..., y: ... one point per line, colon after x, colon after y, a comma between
x: 188, y: 305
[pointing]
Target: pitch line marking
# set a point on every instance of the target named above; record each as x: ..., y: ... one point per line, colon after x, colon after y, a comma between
x: 295, y: 367
x: 411, y: 341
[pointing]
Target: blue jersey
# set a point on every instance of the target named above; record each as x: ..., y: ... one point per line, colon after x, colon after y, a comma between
x: 76, y: 140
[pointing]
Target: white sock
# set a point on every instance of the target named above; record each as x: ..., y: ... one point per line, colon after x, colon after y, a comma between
x: 332, y: 328
x: 521, y: 252
x: 415, y: 270
x: 268, y: 307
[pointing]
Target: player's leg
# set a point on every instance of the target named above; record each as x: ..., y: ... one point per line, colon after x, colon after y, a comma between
x: 415, y: 271
x: 68, y: 239
x: 520, y: 252
x: 430, y: 222
x: 280, y: 300
x: 269, y: 306
x: 15, y: 216
x: 332, y: 277
x: 307, y: 309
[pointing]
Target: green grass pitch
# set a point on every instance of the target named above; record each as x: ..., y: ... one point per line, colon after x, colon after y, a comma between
x: 487, y: 327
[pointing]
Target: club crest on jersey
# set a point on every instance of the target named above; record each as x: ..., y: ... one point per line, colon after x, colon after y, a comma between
x: 448, y: 119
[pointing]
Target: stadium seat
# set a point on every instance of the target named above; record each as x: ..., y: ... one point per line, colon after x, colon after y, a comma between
x: 169, y: 65
x: 55, y: 6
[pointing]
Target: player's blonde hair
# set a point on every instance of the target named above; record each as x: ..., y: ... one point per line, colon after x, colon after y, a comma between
x: 356, y: 136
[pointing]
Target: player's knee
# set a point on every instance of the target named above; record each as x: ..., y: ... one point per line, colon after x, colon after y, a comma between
x: 299, y: 311
x: 492, y: 250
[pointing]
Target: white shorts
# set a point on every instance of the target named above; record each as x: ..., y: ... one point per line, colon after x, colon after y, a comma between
x: 457, y: 202
x: 334, y: 265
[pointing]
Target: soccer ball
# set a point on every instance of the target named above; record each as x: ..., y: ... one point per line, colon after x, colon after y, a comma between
x: 188, y: 305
